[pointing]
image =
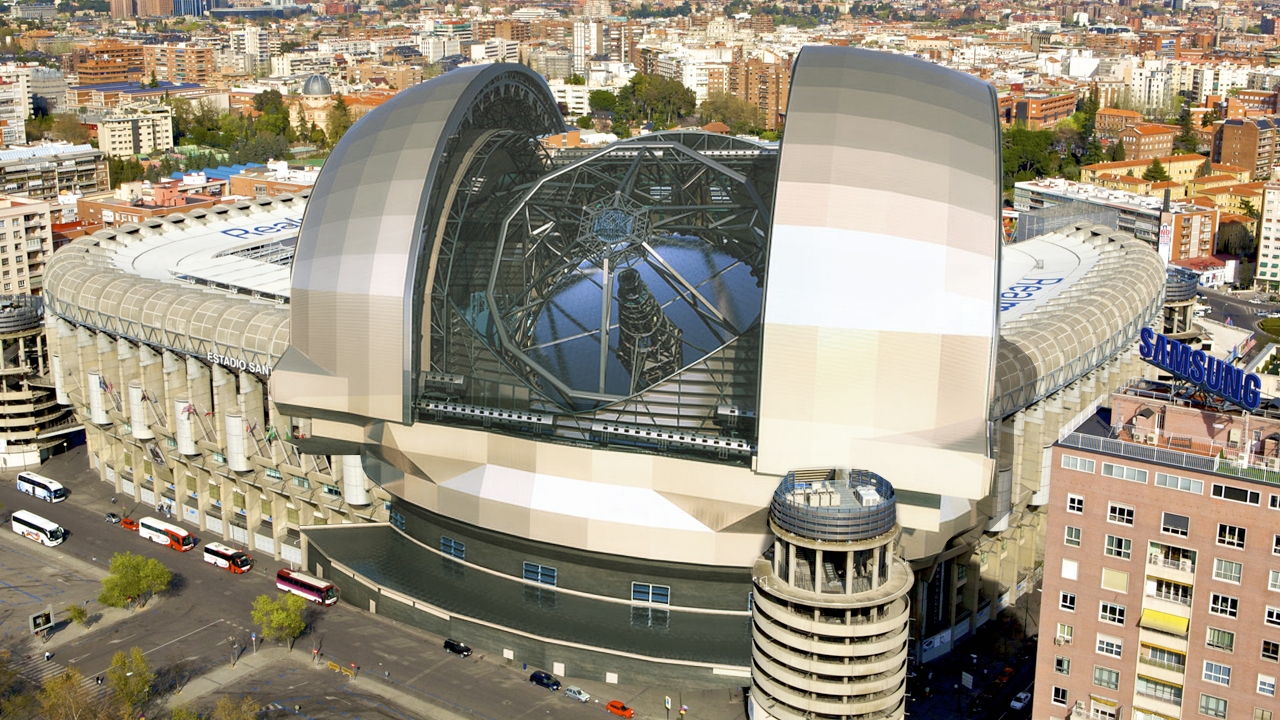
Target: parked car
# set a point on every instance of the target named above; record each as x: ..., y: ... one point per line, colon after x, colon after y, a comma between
x: 129, y: 524
x: 577, y: 693
x: 453, y: 646
x: 1005, y: 675
x: 544, y: 679
x: 617, y: 708
x: 1255, y: 301
x: 113, y: 518
x: 1020, y: 700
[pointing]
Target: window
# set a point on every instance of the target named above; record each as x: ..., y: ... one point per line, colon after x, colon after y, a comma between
x: 1227, y: 570
x: 1267, y: 685
x: 1060, y: 696
x: 1274, y: 582
x: 540, y: 573
x: 1169, y: 590
x: 333, y: 490
x: 1158, y: 690
x: 1071, y: 462
x: 1112, y: 613
x: 453, y: 548
x: 1235, y: 494
x: 1271, y: 650
x: 1175, y: 524
x: 644, y: 592
x: 1223, y: 605
x: 1119, y: 547
x: 1108, y: 645
x: 1070, y: 569
x: 1275, y: 545
x: 1124, y: 473
x: 1274, y: 502
x: 1067, y: 601
x: 1062, y: 665
x: 1115, y: 580
x: 1217, y: 673
x: 1117, y: 513
x: 1073, y: 536
x: 1221, y: 640
x: 1230, y: 535
x: 1273, y: 616
x: 1106, y: 677
x: 1174, y: 482
x: 1260, y: 714
x: 1075, y: 504
x: 1066, y: 632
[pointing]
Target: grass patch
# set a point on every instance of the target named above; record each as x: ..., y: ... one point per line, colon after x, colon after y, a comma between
x: 1270, y: 326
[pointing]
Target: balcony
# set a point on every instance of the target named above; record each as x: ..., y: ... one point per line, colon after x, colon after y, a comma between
x: 1171, y: 596
x: 1163, y: 664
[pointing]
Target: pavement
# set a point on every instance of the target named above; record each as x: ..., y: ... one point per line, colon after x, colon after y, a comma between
x: 188, y: 634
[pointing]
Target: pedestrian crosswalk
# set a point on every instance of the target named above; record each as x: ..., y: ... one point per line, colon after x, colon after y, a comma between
x: 33, y: 667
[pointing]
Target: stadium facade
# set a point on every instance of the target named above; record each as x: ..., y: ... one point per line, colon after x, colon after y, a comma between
x: 545, y: 403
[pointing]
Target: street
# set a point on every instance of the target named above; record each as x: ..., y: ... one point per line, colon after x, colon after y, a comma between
x: 1237, y: 308
x: 190, y: 629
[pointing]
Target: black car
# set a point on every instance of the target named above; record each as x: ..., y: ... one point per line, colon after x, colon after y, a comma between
x: 454, y: 646
x: 545, y: 679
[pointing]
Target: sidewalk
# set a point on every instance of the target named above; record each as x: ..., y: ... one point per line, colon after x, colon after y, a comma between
x: 225, y: 674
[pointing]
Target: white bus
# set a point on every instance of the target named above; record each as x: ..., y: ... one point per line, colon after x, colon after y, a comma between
x: 227, y: 557
x: 311, y: 588
x: 158, y: 531
x: 42, y: 487
x: 34, y: 527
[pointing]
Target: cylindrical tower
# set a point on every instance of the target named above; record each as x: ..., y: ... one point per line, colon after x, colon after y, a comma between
x: 830, y: 609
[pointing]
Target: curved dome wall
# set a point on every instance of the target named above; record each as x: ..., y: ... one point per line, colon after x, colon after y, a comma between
x: 880, y: 315
x: 359, y: 275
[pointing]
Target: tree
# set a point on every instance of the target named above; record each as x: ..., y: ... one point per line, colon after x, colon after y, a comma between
x: 338, y: 122
x: 1117, y: 151
x: 602, y: 100
x: 229, y: 708
x: 1155, y: 172
x: 1249, y: 209
x: 67, y: 697
x: 183, y: 712
x: 741, y: 116
x: 281, y: 618
x: 133, y: 577
x: 1187, y: 141
x: 67, y: 127
x: 575, y: 80
x: 585, y: 122
x: 129, y: 679
x: 78, y: 615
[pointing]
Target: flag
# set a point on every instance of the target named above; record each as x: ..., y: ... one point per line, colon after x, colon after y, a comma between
x: 188, y: 409
x: 271, y: 432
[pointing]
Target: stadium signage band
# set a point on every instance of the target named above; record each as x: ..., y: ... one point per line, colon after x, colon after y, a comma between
x: 237, y: 364
x: 263, y: 230
x: 1196, y: 367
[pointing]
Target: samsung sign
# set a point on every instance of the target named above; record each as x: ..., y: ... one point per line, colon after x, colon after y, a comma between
x: 1208, y: 373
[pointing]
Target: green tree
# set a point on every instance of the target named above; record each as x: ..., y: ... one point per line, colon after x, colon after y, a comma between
x: 338, y: 122
x: 154, y: 82
x: 1249, y: 209
x: 575, y: 80
x: 1155, y: 172
x: 229, y: 708
x: 1187, y: 141
x: 66, y: 126
x: 67, y: 697
x: 133, y: 577
x: 1026, y: 155
x: 585, y: 122
x: 1088, y: 108
x: 1117, y: 151
x: 130, y: 679
x: 78, y: 615
x: 280, y: 618
x: 740, y: 115
x: 602, y: 100
x: 183, y: 712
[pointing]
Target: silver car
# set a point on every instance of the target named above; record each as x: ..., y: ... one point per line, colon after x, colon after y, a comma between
x: 577, y: 693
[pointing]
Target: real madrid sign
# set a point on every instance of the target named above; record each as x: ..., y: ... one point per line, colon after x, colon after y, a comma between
x: 1198, y: 368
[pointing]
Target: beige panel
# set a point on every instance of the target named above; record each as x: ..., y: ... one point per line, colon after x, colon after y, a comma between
x: 463, y: 506
x: 557, y: 529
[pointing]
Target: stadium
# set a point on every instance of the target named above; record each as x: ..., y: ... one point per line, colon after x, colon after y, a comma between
x: 543, y: 402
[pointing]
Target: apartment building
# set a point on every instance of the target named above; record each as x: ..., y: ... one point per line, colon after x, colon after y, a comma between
x: 43, y: 171
x: 20, y: 74
x: 1038, y: 111
x: 277, y: 178
x: 1247, y: 142
x: 12, y: 121
x: 180, y: 63
x: 1145, y: 141
x: 26, y: 242
x: 136, y: 128
x: 763, y: 83
x: 1267, y: 275
x: 1109, y: 122
x: 1162, y: 580
x: 107, y: 61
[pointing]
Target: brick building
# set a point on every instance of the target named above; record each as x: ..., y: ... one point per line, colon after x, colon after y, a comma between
x: 1146, y: 141
x: 1247, y: 142
x: 1109, y: 122
x: 764, y: 84
x: 1162, y: 581
x: 180, y: 63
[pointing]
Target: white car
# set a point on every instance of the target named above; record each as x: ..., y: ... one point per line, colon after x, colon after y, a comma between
x: 1020, y: 701
x: 1255, y: 301
x: 577, y: 693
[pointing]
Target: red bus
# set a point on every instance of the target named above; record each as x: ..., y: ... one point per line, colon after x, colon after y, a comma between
x: 311, y: 588
x: 227, y: 557
x: 162, y: 532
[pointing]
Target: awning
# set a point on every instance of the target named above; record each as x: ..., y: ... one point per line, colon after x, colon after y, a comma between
x: 1104, y: 701
x: 1164, y: 622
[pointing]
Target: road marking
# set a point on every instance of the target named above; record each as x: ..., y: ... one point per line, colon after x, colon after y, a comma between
x: 193, y: 632
x: 75, y: 660
x: 126, y: 637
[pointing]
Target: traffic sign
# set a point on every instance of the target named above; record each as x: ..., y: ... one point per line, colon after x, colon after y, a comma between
x: 668, y: 701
